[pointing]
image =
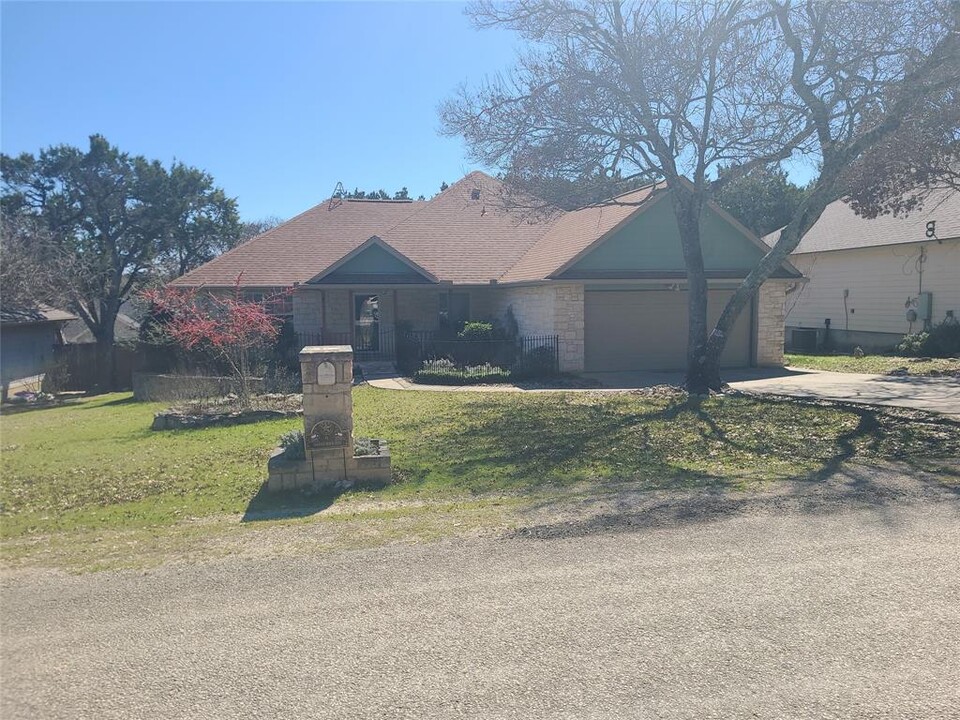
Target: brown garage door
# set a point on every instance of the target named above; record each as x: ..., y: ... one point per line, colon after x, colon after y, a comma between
x: 647, y: 330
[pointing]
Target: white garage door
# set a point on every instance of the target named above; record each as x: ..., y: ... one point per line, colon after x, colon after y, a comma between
x: 647, y: 330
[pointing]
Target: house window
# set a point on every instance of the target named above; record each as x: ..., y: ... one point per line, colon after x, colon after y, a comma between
x: 454, y: 310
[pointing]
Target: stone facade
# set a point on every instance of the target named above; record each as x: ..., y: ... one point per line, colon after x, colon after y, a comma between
x: 568, y: 324
x: 420, y: 308
x: 555, y: 309
x: 327, y: 373
x: 770, y: 314
x: 547, y: 309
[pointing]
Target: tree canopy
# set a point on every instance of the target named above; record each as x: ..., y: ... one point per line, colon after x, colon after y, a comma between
x: 113, y: 221
x: 764, y: 199
x: 611, y: 92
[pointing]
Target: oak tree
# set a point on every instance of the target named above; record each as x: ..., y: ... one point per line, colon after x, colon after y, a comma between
x: 647, y: 90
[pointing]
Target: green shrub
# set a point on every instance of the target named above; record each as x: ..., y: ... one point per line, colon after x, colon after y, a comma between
x: 475, y: 330
x: 364, y: 446
x: 292, y: 444
x: 445, y: 372
x: 941, y: 340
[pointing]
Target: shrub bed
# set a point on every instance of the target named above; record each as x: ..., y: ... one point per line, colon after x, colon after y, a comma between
x: 445, y: 372
x: 228, y: 410
x: 941, y: 341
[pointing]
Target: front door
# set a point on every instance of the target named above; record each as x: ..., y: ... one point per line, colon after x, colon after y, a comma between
x: 366, y: 323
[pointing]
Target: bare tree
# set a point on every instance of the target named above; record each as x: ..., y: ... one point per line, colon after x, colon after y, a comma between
x: 616, y: 91
x: 34, y: 270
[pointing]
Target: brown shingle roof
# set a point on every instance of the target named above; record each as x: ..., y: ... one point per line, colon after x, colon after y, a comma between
x: 302, y: 247
x: 463, y: 235
x: 576, y: 231
x: 840, y: 228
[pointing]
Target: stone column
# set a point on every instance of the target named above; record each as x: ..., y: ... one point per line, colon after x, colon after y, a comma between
x: 327, y: 372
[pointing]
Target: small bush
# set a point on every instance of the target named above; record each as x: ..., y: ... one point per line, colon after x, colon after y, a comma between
x: 292, y: 444
x: 364, y: 446
x: 475, y: 330
x: 444, y: 372
x: 941, y: 341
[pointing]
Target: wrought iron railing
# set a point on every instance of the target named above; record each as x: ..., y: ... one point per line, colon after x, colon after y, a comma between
x: 411, y: 350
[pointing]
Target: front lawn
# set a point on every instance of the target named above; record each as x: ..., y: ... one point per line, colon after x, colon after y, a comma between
x: 73, y: 475
x: 875, y: 364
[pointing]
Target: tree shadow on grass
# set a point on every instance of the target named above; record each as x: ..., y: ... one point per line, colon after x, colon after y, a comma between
x: 532, y: 444
x: 621, y: 447
x: 21, y: 408
x: 119, y: 402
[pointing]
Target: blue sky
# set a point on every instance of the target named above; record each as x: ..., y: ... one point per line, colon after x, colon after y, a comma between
x: 277, y: 101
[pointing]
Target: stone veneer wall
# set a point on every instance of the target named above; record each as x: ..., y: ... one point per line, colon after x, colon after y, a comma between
x: 770, y: 317
x: 337, y: 314
x: 555, y: 309
x: 568, y: 324
x: 331, y: 309
x: 169, y: 388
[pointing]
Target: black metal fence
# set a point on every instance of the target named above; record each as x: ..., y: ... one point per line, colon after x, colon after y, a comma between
x: 417, y: 351
x: 368, y: 343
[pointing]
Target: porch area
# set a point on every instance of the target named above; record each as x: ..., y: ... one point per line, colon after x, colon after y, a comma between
x: 408, y: 326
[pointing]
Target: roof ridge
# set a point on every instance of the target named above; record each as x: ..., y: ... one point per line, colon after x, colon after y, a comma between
x: 609, y: 200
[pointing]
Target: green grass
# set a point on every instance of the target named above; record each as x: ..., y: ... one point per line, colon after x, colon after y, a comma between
x: 76, y: 478
x: 875, y: 364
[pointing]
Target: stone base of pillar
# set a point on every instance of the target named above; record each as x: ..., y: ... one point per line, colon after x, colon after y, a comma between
x: 328, y: 469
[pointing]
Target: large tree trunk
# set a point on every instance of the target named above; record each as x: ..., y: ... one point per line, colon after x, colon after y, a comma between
x: 804, y: 218
x: 703, y: 371
x: 104, y: 334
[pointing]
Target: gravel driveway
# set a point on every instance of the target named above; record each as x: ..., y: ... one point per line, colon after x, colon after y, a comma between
x: 838, y: 600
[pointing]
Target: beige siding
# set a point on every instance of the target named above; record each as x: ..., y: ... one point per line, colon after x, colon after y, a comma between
x: 879, y: 281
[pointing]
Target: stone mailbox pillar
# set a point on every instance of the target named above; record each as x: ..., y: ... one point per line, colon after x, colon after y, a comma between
x: 327, y: 372
x: 328, y: 458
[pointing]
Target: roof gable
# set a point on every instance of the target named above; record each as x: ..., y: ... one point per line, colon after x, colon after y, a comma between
x: 376, y: 262
x: 649, y: 244
x: 574, y: 233
x: 299, y: 249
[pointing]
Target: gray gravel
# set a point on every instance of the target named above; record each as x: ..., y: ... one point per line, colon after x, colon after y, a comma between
x: 811, y: 603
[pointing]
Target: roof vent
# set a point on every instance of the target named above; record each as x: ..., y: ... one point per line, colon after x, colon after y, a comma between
x: 475, y: 194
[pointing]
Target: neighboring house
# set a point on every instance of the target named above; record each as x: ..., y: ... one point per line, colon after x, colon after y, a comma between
x: 608, y: 280
x: 876, y: 280
x: 27, y: 341
x: 125, y: 330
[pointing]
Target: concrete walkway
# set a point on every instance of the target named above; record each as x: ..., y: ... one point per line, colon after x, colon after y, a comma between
x: 933, y: 394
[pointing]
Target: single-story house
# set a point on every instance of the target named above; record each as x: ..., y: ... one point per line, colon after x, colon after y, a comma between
x: 873, y: 281
x: 608, y: 280
x: 27, y: 340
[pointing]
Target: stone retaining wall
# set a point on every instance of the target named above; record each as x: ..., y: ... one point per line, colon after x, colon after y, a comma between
x: 150, y: 387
